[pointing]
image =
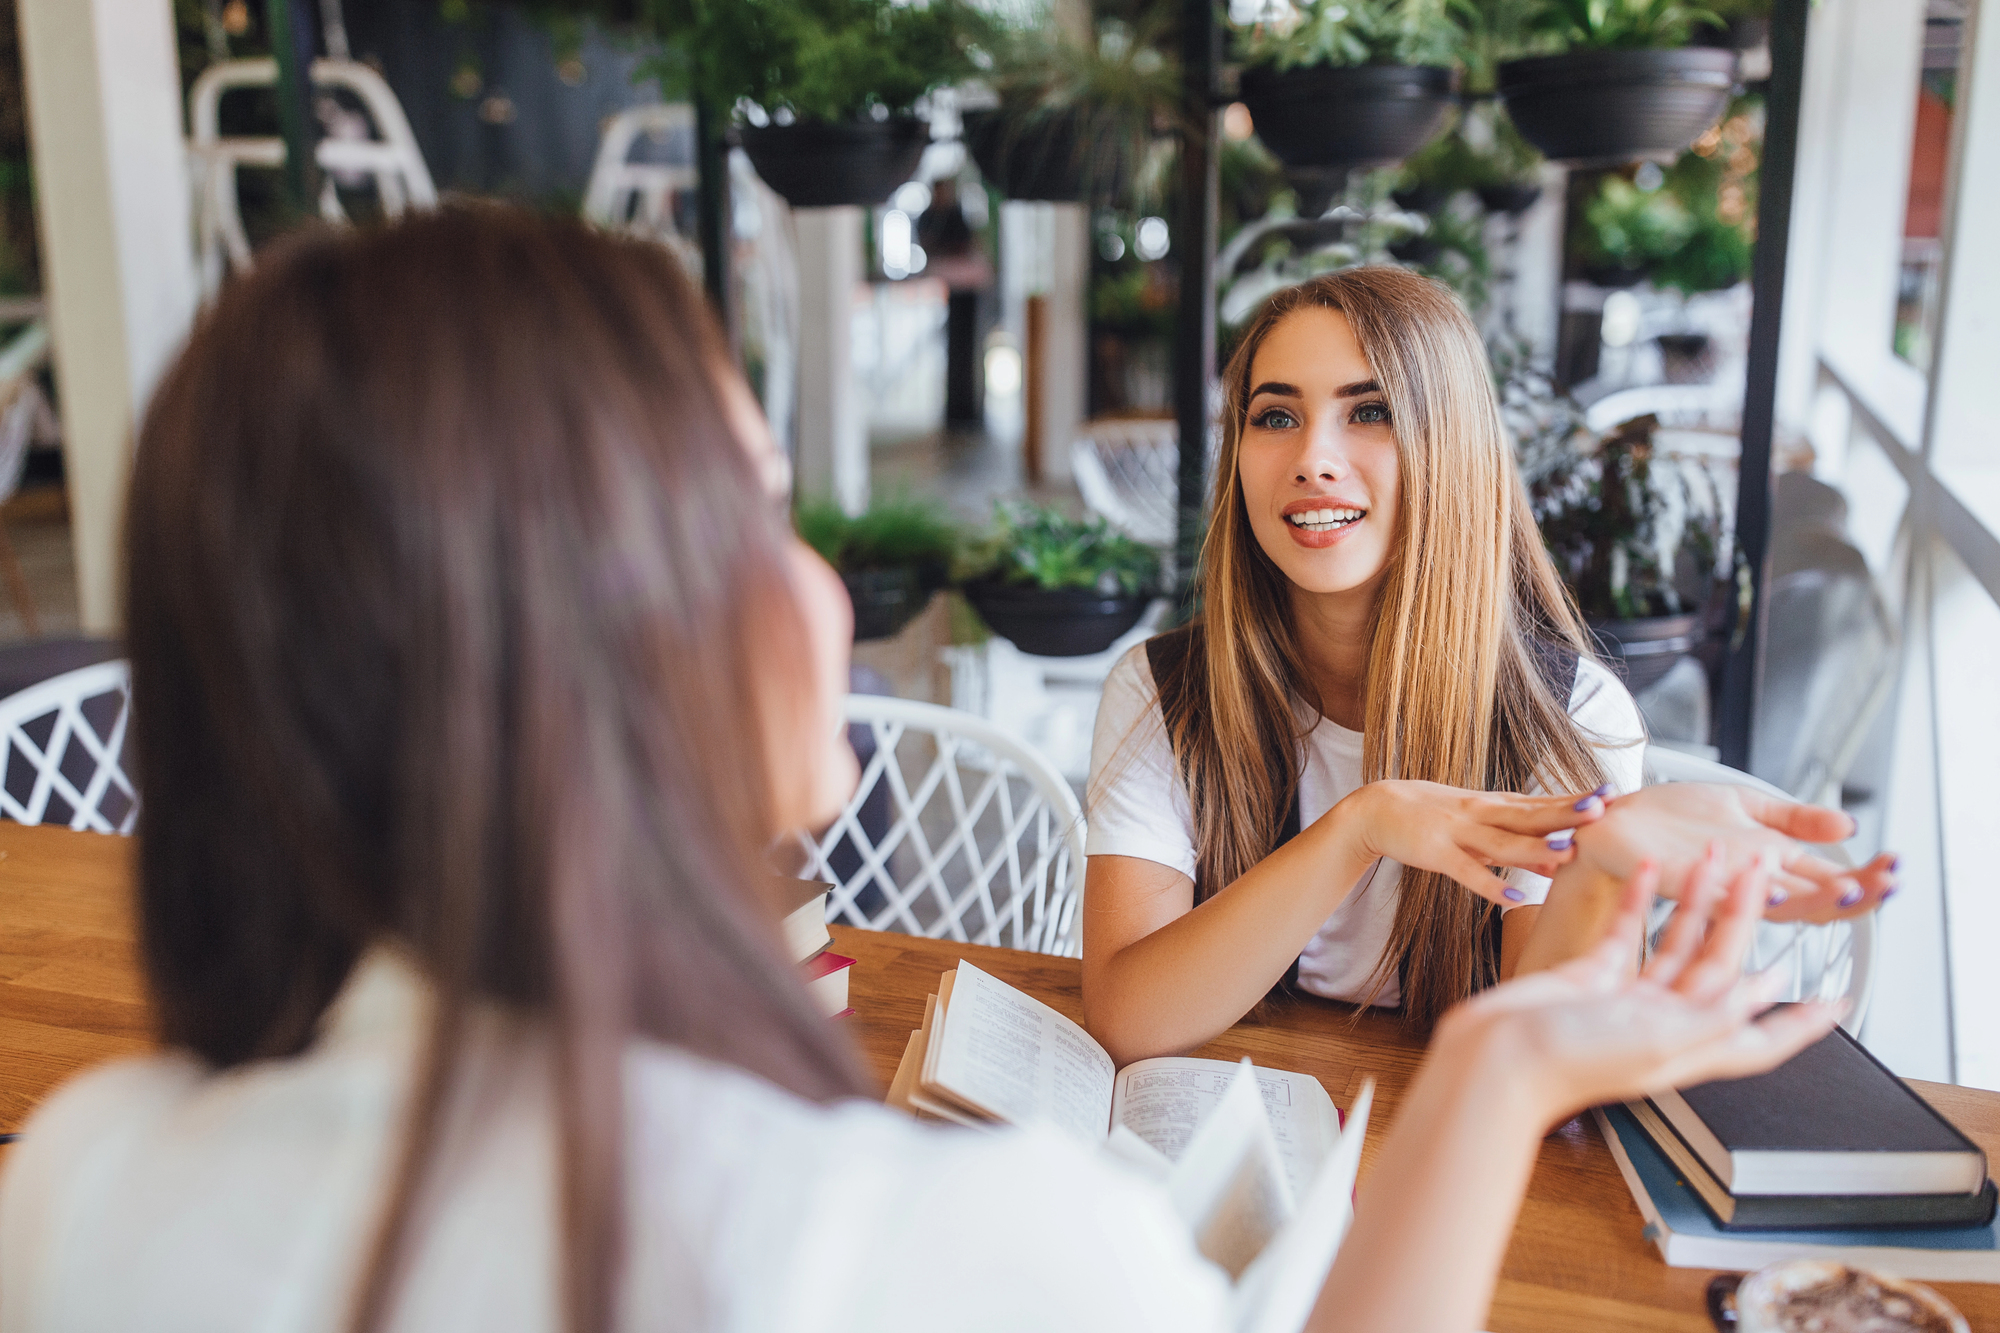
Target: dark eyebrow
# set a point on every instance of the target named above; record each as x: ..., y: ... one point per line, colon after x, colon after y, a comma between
x: 1356, y: 389
x: 1282, y: 390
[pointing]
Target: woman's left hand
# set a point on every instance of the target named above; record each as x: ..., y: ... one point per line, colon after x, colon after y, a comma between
x: 1672, y: 823
x: 1589, y: 1031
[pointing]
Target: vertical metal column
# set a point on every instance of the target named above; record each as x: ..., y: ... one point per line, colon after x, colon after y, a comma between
x: 291, y: 24
x: 712, y: 227
x: 1194, y: 238
x: 1742, y: 668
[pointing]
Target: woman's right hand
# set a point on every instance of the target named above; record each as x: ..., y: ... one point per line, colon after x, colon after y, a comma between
x: 1429, y: 826
x: 1590, y: 1031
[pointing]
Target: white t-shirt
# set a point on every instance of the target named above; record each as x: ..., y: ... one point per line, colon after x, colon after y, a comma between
x: 153, y: 1194
x: 1138, y: 806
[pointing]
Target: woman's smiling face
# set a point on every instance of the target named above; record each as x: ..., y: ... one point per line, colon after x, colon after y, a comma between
x: 1317, y: 460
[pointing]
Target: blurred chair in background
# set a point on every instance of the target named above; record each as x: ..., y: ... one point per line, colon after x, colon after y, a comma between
x: 64, y: 756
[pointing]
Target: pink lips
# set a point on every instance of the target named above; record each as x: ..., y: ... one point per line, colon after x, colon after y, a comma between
x: 1317, y: 541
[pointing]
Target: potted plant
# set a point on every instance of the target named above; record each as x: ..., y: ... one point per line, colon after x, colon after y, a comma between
x: 1627, y: 230
x: 1058, y: 586
x: 1075, y: 120
x: 1636, y: 537
x: 1625, y: 84
x: 1501, y: 173
x: 892, y: 558
x: 829, y: 87
x: 1350, y: 83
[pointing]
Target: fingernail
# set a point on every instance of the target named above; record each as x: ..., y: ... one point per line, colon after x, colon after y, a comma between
x: 1851, y: 897
x: 1513, y: 895
x: 1853, y: 826
x: 1777, y: 896
x: 1603, y: 790
x: 1895, y: 864
x: 1890, y: 892
x: 1560, y: 841
x: 1587, y: 802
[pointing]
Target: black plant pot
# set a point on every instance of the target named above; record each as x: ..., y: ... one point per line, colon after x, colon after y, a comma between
x: 1040, y: 159
x: 1610, y: 275
x: 1054, y: 622
x: 884, y: 600
x: 1602, y: 107
x: 1512, y: 198
x: 1642, y: 651
x: 814, y: 164
x: 1352, y: 117
x: 1417, y: 250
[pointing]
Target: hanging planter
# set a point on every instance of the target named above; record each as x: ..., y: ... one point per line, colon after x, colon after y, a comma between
x: 1055, y: 622
x: 884, y: 601
x: 817, y: 164
x: 1038, y: 159
x: 1611, y: 106
x: 1641, y: 651
x: 1340, y: 117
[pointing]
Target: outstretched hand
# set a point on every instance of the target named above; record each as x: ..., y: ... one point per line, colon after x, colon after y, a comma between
x: 1429, y: 826
x: 1590, y: 1031
x: 1670, y: 823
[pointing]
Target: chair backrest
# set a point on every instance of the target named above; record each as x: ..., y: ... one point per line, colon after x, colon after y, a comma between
x: 642, y: 196
x: 1823, y: 961
x: 1128, y: 471
x: 1829, y: 665
x: 64, y: 751
x: 389, y: 156
x: 957, y: 831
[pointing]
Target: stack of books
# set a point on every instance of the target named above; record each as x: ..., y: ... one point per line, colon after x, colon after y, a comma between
x: 1828, y: 1156
x: 808, y: 942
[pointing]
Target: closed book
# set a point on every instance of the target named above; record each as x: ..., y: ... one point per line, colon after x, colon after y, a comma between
x: 826, y: 981
x: 803, y: 924
x: 1805, y: 1212
x: 1688, y: 1237
x: 1830, y: 1120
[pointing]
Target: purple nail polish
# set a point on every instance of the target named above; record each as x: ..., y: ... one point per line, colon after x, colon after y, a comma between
x: 1851, y: 897
x: 1777, y: 897
x: 1560, y: 842
x: 1895, y: 864
x: 1587, y: 802
x: 1889, y: 893
x: 1603, y: 790
x: 1513, y: 895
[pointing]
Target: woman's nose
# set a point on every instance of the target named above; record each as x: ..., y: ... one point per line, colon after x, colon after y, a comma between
x: 1320, y: 457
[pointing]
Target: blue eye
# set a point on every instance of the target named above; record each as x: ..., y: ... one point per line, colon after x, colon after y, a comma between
x: 1370, y: 414
x: 1274, y: 418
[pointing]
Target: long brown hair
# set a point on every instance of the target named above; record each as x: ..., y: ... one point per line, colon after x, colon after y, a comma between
x: 456, y: 615
x: 1454, y: 695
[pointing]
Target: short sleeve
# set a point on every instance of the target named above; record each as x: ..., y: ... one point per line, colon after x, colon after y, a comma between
x: 1135, y: 803
x: 1604, y: 712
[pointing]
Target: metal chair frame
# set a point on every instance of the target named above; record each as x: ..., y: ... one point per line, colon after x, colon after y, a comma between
x: 1837, y: 958
x: 1017, y: 889
x: 71, y: 732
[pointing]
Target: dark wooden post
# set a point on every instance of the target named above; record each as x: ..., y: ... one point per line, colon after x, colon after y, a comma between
x: 1193, y: 240
x: 1736, y: 708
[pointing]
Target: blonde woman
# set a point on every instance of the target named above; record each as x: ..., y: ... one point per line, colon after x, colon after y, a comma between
x: 1309, y: 782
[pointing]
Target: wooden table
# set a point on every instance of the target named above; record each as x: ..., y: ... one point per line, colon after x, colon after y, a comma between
x: 70, y: 995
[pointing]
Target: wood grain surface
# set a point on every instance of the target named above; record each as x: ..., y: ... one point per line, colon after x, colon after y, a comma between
x: 70, y: 996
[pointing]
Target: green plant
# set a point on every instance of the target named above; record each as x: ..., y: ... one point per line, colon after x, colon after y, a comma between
x: 1496, y: 31
x: 1043, y: 547
x: 895, y: 533
x: 1357, y: 32
x: 1114, y: 98
x: 1451, y: 162
x: 1598, y: 25
x: 1633, y: 533
x: 1630, y: 228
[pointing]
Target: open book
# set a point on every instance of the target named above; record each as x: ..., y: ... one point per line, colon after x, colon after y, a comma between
x: 1254, y: 1159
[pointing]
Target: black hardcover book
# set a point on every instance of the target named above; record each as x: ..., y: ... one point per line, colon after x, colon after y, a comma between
x: 1807, y: 1212
x: 1832, y: 1120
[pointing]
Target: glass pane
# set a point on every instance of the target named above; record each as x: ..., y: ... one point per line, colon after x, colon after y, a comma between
x: 1930, y: 155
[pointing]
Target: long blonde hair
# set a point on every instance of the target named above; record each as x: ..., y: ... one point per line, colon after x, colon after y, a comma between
x: 1454, y: 693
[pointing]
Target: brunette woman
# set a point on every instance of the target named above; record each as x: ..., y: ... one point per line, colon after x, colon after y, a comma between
x: 1304, y: 783
x: 475, y: 668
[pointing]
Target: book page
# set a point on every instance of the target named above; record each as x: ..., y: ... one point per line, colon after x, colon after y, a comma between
x: 1011, y: 1056
x: 1229, y: 1184
x: 1163, y: 1099
x: 1276, y: 1292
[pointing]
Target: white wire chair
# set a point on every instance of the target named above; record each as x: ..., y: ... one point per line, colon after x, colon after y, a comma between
x: 983, y: 845
x: 64, y: 751
x: 1825, y: 961
x: 1129, y: 471
x: 390, y: 156
x: 641, y: 196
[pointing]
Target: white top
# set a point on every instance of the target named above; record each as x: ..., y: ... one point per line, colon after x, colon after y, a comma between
x: 1139, y: 807
x: 151, y: 1194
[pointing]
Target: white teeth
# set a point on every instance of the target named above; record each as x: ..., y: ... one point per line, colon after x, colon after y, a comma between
x: 1323, y: 518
